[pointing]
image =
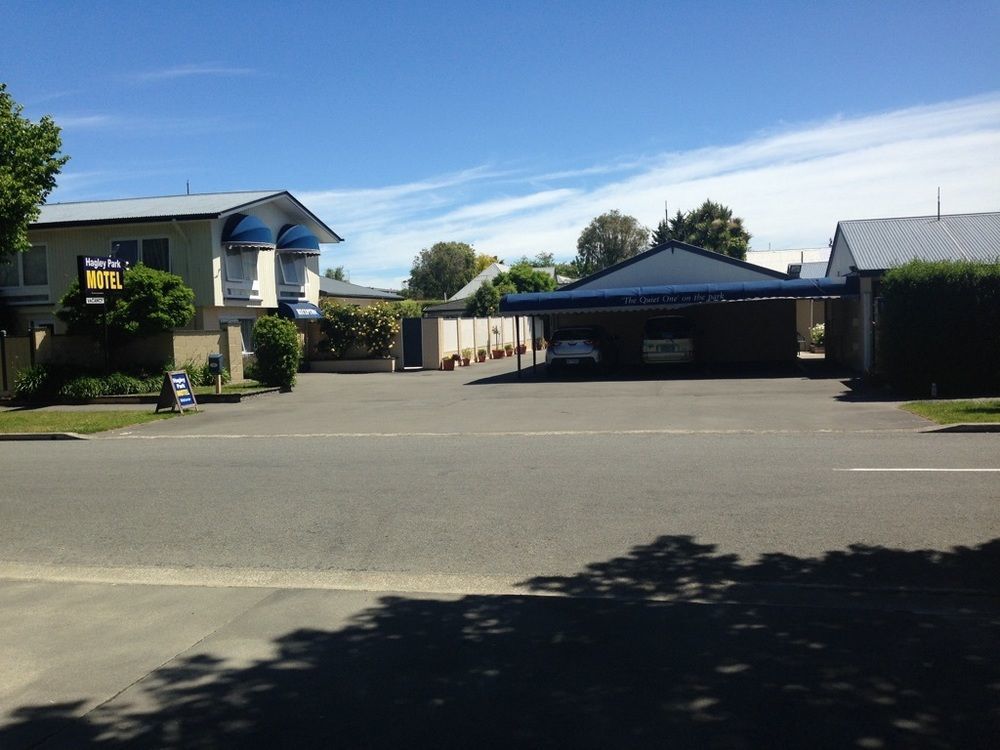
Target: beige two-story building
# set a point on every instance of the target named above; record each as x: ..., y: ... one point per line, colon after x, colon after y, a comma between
x: 244, y: 254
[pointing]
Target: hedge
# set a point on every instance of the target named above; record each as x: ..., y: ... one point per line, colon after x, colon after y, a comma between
x: 939, y: 323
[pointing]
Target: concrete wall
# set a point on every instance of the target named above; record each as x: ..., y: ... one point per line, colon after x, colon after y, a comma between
x: 443, y: 337
x: 180, y: 347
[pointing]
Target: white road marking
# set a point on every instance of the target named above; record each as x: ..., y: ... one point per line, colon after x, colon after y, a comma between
x: 508, y: 433
x: 918, y: 469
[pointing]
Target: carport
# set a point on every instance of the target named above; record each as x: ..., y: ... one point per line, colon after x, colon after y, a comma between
x: 738, y: 321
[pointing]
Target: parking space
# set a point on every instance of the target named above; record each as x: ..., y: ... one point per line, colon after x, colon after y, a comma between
x: 491, y: 398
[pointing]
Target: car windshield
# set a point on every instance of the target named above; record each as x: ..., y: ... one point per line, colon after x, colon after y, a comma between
x: 668, y: 328
x: 573, y: 334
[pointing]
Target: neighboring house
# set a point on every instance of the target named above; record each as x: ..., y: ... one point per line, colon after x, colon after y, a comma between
x: 865, y: 249
x: 779, y: 260
x: 243, y: 253
x: 455, y: 306
x: 353, y: 294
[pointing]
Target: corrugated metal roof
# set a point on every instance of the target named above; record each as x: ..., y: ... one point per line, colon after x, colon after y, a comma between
x: 159, y: 207
x: 808, y: 270
x: 880, y: 244
x: 337, y: 288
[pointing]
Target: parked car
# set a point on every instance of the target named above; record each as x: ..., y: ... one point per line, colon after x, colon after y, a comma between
x: 584, y: 346
x: 668, y: 339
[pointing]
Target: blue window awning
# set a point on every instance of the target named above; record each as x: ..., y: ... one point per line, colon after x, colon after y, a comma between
x: 295, y: 238
x: 650, y: 297
x: 246, y: 232
x: 299, y: 311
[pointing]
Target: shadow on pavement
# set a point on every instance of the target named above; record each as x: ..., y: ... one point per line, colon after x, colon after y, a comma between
x: 626, y: 658
x: 800, y: 368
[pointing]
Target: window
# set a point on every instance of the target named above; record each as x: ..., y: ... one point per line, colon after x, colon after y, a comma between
x: 246, y: 331
x: 153, y: 252
x: 293, y: 268
x: 241, y: 265
x: 30, y: 268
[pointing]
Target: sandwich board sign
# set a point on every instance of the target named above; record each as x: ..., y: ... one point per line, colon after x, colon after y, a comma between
x: 176, y: 391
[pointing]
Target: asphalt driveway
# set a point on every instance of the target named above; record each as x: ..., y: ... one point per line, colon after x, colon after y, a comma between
x: 489, y: 398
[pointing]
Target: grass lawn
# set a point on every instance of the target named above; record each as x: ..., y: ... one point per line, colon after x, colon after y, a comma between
x: 953, y: 412
x: 83, y: 422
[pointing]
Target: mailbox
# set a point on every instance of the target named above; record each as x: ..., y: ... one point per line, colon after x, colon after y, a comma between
x: 215, y: 364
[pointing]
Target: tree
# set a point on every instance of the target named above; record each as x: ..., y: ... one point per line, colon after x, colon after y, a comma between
x: 484, y: 261
x: 337, y: 273
x: 711, y: 226
x: 541, y: 260
x: 29, y: 163
x: 150, y: 302
x: 609, y: 239
x: 442, y: 270
x: 524, y: 278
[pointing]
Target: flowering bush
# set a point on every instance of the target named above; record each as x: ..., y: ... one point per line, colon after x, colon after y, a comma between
x: 371, y: 328
x: 817, y: 334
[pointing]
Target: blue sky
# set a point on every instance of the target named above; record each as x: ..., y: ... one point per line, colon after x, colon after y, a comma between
x: 511, y: 125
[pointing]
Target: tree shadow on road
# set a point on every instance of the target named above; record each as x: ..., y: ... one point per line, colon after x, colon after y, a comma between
x: 675, y: 644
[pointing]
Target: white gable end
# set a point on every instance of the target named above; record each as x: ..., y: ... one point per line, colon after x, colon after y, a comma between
x: 841, y: 260
x: 676, y: 265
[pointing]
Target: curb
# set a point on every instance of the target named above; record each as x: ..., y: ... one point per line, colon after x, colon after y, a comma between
x: 967, y: 427
x: 4, y: 436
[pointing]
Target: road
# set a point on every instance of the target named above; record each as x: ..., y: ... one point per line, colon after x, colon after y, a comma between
x: 464, y: 560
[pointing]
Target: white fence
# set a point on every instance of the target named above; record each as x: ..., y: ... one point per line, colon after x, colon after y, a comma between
x: 443, y: 337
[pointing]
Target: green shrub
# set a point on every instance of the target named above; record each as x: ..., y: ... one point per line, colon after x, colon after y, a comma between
x: 120, y: 384
x: 35, y: 382
x: 408, y: 308
x: 341, y: 325
x: 938, y: 323
x: 817, y: 334
x: 200, y: 374
x: 379, y: 326
x: 277, y: 350
x: 85, y: 386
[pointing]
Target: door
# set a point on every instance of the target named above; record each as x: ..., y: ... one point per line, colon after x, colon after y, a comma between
x: 413, y: 352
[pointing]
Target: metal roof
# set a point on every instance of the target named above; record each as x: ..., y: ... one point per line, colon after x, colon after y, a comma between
x: 166, y: 207
x: 816, y: 270
x: 337, y: 288
x: 880, y: 244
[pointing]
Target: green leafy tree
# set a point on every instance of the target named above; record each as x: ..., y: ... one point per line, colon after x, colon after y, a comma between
x: 711, y: 226
x: 669, y: 229
x: 483, y: 261
x: 149, y: 303
x: 541, y: 260
x: 29, y: 163
x: 486, y: 300
x: 408, y: 308
x: 278, y: 351
x: 525, y: 278
x: 338, y: 273
x: 608, y: 239
x: 441, y: 270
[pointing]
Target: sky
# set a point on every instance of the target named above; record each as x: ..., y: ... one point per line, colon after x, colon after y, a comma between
x: 511, y: 125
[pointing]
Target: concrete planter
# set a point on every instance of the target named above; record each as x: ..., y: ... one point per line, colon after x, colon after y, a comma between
x: 353, y: 365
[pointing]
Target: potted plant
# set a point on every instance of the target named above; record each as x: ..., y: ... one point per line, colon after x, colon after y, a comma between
x: 508, y: 349
x: 522, y: 348
x: 466, y: 357
x: 481, y: 355
x: 499, y: 353
x: 448, y: 363
x: 817, y: 338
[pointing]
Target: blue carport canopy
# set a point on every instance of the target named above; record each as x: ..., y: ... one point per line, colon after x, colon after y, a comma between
x: 647, y: 297
x: 299, y: 311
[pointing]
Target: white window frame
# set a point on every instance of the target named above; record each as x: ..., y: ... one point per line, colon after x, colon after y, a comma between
x: 242, y: 288
x: 300, y: 263
x: 12, y: 293
x: 138, y: 252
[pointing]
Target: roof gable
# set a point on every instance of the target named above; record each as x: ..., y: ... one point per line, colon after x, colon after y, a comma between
x: 880, y: 244
x: 175, y: 208
x: 674, y: 262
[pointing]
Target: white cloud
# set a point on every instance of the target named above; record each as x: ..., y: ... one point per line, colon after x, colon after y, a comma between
x: 187, y: 71
x: 790, y: 186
